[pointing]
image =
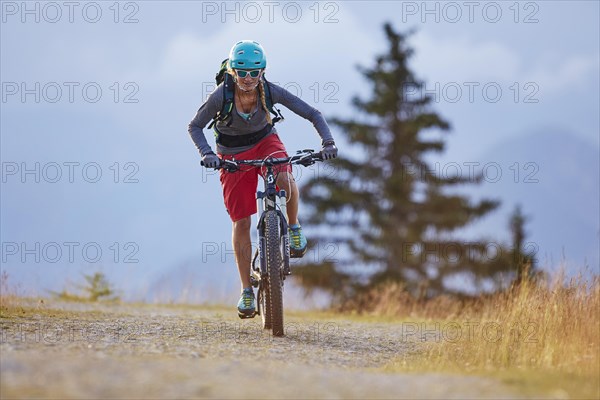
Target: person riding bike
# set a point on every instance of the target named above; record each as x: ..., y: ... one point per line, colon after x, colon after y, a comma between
x: 248, y: 133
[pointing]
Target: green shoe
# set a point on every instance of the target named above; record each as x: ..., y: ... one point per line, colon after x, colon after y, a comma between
x: 298, y: 243
x: 246, y: 306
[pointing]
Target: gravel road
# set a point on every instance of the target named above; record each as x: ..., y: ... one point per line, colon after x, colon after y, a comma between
x: 125, y: 351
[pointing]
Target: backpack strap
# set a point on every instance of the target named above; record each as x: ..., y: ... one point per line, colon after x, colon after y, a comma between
x: 228, y: 94
x: 270, y: 105
x: 222, y: 71
x: 227, y: 107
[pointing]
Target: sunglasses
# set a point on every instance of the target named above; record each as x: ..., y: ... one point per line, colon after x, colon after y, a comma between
x: 242, y: 73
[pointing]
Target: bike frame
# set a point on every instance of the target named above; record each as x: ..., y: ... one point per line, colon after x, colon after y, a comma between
x: 272, y: 200
x: 274, y: 261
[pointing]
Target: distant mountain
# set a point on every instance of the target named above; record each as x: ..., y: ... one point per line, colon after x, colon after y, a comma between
x: 194, y: 282
x: 555, y: 176
x: 197, y: 282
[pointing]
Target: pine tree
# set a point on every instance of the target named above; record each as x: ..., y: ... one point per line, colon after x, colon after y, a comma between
x: 523, y: 260
x: 388, y: 210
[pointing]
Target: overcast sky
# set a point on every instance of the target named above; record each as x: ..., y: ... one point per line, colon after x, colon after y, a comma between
x: 99, y: 95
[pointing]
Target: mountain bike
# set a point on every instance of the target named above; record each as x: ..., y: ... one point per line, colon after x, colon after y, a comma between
x: 273, y: 252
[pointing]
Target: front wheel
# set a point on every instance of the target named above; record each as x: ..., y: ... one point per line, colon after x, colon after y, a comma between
x: 264, y: 303
x: 274, y: 284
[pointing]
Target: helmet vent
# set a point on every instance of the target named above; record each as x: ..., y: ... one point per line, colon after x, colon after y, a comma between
x: 247, y: 54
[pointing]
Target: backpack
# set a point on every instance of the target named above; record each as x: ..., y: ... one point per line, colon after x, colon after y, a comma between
x: 228, y: 93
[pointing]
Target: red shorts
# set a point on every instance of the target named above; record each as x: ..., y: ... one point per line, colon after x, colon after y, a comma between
x: 239, y: 188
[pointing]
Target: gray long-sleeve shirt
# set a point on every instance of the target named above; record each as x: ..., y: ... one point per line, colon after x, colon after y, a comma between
x: 257, y: 121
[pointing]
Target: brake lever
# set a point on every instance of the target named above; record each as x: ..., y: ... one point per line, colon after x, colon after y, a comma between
x: 306, y: 160
x: 305, y: 151
x: 229, y: 166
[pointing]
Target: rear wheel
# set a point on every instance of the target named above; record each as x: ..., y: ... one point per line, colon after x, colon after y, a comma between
x: 273, y: 295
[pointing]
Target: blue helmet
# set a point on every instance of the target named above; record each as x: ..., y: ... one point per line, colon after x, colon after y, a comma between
x: 247, y: 54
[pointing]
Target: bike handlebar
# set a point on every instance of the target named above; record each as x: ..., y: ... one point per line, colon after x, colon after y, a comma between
x: 303, y: 157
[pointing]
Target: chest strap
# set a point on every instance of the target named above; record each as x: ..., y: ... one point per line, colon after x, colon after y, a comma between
x: 242, y: 140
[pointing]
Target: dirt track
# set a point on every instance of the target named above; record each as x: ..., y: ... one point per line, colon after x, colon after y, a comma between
x: 123, y: 351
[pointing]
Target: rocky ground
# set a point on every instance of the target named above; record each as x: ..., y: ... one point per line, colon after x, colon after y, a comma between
x: 70, y: 350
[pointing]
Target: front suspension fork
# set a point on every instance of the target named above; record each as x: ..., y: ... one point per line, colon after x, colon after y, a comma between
x: 281, y: 209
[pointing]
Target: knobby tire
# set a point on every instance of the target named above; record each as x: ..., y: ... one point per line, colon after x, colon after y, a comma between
x: 274, y: 295
x: 264, y: 302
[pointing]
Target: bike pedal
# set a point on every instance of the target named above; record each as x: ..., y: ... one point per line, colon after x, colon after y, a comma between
x: 298, y: 253
x: 247, y: 316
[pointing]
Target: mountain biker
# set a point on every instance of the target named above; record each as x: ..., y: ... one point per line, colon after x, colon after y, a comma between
x: 248, y: 133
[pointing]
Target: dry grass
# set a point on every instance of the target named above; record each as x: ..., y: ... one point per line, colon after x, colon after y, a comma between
x: 9, y: 297
x: 541, y: 334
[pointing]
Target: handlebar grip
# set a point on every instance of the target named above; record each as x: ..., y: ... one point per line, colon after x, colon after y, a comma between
x: 218, y: 167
